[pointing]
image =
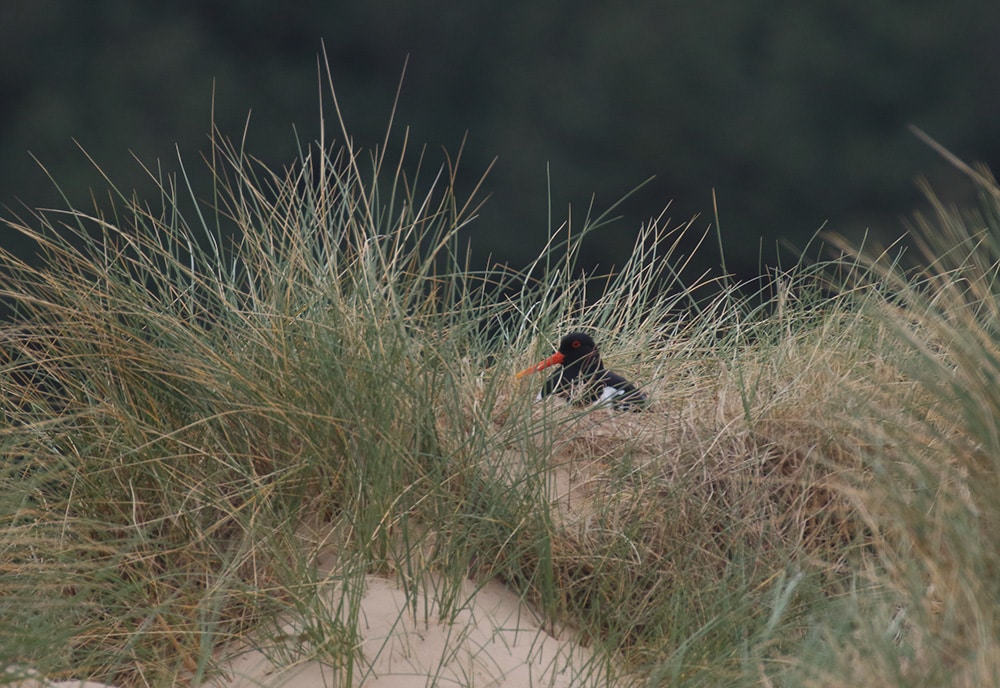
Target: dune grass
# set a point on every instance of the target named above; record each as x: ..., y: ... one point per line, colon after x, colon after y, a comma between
x: 222, y: 406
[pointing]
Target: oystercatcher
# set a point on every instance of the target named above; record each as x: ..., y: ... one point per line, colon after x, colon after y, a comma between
x: 583, y: 377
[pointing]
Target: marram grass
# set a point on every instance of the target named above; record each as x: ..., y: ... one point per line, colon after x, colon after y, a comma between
x: 221, y: 408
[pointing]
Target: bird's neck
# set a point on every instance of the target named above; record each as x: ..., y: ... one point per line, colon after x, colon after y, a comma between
x: 588, y: 365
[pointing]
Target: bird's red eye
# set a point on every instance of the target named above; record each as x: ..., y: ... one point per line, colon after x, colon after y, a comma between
x: 576, y: 344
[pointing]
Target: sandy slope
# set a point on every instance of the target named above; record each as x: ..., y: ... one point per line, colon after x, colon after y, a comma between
x: 494, y: 640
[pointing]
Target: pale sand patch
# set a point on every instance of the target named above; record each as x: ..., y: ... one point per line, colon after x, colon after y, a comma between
x: 25, y: 677
x: 494, y: 639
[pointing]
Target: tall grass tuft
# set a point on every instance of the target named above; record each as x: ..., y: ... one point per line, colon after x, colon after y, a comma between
x: 931, y: 495
x: 186, y: 385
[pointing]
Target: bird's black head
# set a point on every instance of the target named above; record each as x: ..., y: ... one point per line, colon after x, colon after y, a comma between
x: 577, y: 346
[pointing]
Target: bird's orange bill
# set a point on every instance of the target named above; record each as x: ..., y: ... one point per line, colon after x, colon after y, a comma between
x: 554, y: 359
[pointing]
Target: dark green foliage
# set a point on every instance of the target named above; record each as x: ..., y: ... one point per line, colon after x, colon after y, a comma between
x: 794, y: 113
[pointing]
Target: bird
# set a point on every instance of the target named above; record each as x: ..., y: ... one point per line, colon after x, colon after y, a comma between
x: 584, y: 379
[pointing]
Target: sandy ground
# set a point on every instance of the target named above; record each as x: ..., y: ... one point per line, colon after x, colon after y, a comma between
x: 494, y: 640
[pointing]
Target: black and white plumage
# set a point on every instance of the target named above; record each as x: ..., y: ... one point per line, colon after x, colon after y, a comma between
x: 582, y: 377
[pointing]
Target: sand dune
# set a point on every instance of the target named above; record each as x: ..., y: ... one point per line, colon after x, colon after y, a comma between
x: 492, y: 640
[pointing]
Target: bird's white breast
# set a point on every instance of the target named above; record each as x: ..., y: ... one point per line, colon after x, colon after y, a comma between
x: 609, y: 393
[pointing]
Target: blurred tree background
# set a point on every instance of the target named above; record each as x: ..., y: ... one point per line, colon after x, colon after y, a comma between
x: 794, y: 112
